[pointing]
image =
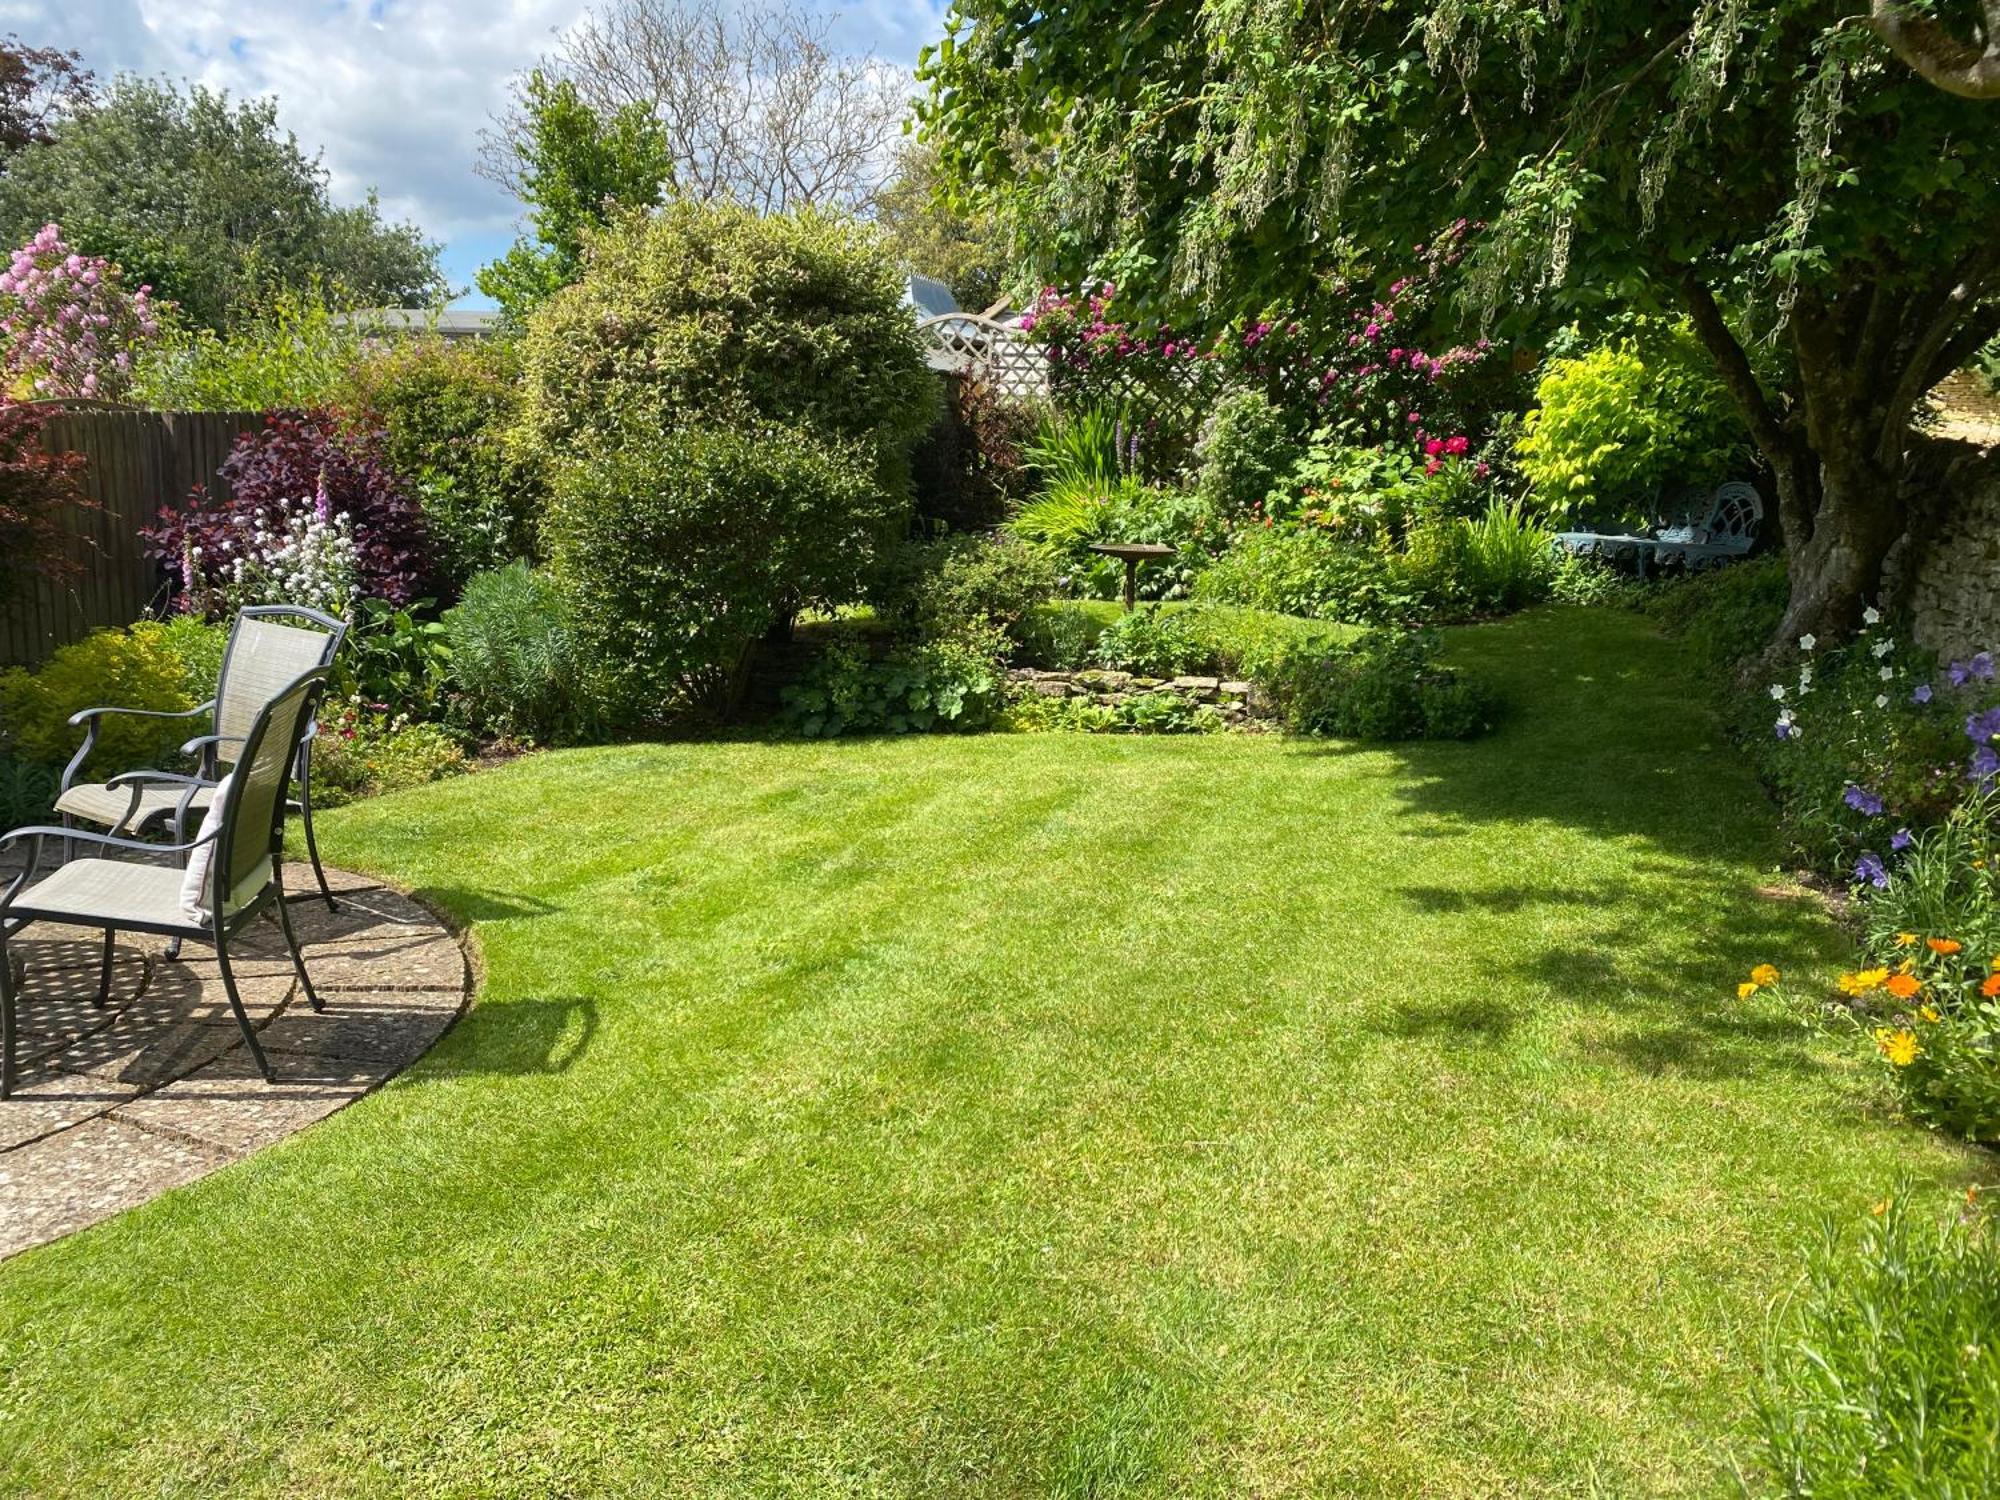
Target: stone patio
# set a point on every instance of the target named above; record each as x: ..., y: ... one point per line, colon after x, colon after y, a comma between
x: 113, y: 1106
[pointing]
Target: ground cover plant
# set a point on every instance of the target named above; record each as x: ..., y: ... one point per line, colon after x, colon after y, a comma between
x: 1186, y: 1116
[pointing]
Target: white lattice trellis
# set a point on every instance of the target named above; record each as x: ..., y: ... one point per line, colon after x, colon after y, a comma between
x: 988, y: 353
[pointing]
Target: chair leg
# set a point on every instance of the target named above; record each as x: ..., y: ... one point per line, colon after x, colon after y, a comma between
x: 173, y: 950
x: 306, y: 817
x: 104, y: 970
x: 236, y: 1004
x: 6, y: 1020
x: 298, y: 957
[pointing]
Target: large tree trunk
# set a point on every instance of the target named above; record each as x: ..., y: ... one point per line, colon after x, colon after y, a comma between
x: 1863, y: 361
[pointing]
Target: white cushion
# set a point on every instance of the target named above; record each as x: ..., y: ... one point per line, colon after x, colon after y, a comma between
x: 194, y: 883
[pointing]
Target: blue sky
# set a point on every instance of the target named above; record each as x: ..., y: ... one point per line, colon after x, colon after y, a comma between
x: 393, y: 92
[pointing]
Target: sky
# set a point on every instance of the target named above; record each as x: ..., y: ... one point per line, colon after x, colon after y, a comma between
x: 392, y: 92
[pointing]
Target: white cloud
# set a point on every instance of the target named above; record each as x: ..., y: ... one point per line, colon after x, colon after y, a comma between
x: 393, y: 92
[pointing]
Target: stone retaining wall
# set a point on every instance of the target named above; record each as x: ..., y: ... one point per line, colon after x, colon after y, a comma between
x: 1238, y: 702
x: 1947, y: 572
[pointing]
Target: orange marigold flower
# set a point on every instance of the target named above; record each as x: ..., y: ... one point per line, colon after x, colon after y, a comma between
x: 1991, y: 988
x: 1764, y: 974
x: 1944, y: 946
x: 1902, y: 986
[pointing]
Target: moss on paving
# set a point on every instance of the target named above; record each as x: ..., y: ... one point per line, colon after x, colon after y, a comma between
x: 1024, y: 1115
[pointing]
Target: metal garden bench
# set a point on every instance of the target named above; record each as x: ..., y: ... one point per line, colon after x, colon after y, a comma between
x: 1725, y: 530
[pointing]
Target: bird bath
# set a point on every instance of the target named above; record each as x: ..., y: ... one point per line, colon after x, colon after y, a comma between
x: 1131, y: 554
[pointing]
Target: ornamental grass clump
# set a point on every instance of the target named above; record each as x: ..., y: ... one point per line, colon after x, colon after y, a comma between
x: 1882, y: 1369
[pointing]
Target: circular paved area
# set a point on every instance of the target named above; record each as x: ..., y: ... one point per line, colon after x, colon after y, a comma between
x: 113, y: 1106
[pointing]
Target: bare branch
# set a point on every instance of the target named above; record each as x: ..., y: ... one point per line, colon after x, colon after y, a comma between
x: 755, y: 103
x: 1969, y: 69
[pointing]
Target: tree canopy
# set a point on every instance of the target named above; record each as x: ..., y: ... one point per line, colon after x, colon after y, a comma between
x: 207, y: 200
x: 1768, y: 164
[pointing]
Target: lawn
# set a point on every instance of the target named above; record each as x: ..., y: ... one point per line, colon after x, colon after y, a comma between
x: 1025, y: 1115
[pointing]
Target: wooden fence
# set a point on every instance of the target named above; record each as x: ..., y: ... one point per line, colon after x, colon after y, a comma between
x: 136, y: 462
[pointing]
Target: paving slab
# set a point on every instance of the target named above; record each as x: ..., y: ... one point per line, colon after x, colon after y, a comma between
x: 117, y: 1102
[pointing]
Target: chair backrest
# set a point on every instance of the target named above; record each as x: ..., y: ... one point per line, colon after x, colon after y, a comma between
x: 253, y: 811
x: 1735, y: 515
x: 270, y: 645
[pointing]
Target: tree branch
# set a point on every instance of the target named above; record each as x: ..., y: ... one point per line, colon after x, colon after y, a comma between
x: 1952, y: 64
x: 1733, y: 364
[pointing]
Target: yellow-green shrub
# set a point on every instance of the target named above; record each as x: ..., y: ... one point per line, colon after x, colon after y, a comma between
x: 167, y: 666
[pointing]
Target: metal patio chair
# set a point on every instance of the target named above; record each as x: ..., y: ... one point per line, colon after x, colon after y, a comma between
x: 269, y: 646
x: 243, y: 836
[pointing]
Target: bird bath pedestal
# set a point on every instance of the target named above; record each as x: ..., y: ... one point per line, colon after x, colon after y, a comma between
x: 1131, y: 554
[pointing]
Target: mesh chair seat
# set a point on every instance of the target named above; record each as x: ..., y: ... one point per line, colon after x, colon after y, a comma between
x: 108, y: 889
x: 106, y: 806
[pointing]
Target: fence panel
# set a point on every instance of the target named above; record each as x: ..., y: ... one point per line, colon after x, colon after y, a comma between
x: 136, y: 461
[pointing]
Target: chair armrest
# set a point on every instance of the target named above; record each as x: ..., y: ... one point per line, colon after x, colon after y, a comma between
x: 128, y: 778
x: 84, y: 835
x: 88, y: 718
x: 89, y: 715
x: 202, y: 743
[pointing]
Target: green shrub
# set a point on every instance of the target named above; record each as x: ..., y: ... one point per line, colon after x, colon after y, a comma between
x: 1500, y: 562
x: 1150, y: 643
x: 1882, y: 1372
x: 363, y: 752
x: 1726, y: 615
x: 1615, y: 425
x: 1162, y: 711
x: 715, y: 316
x: 1386, y: 685
x: 514, y: 667
x: 292, y: 354
x: 1306, y: 571
x: 27, y: 792
x: 1058, y: 637
x: 960, y: 583
x: 935, y: 685
x: 443, y: 410
x: 166, y: 667
x: 1592, y: 580
x: 677, y: 552
x: 1246, y: 451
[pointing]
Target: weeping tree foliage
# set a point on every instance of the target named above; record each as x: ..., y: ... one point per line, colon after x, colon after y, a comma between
x: 1770, y: 166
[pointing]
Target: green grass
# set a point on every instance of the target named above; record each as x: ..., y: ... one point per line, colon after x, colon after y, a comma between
x: 1025, y: 1115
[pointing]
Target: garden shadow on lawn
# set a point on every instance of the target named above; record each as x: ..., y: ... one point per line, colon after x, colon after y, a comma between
x: 517, y: 1038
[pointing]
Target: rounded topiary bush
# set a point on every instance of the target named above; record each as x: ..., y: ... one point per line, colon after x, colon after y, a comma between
x: 677, y: 554
x: 712, y: 314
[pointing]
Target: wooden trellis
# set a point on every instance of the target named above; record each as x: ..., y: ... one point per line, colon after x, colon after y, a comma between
x: 995, y: 355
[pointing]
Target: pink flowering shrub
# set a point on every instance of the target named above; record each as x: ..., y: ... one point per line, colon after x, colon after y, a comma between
x: 68, y: 327
x: 1356, y: 366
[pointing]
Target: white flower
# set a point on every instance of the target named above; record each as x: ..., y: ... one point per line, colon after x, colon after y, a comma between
x: 1785, y: 716
x: 1887, y: 674
x: 1805, y: 678
x: 1881, y: 700
x: 1807, y: 642
x: 1871, y: 616
x: 1777, y: 692
x: 1882, y: 649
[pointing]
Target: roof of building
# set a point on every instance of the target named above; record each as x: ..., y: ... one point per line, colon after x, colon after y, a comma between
x: 462, y: 323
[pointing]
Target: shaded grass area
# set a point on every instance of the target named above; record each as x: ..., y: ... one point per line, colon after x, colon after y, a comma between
x: 1038, y: 1115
